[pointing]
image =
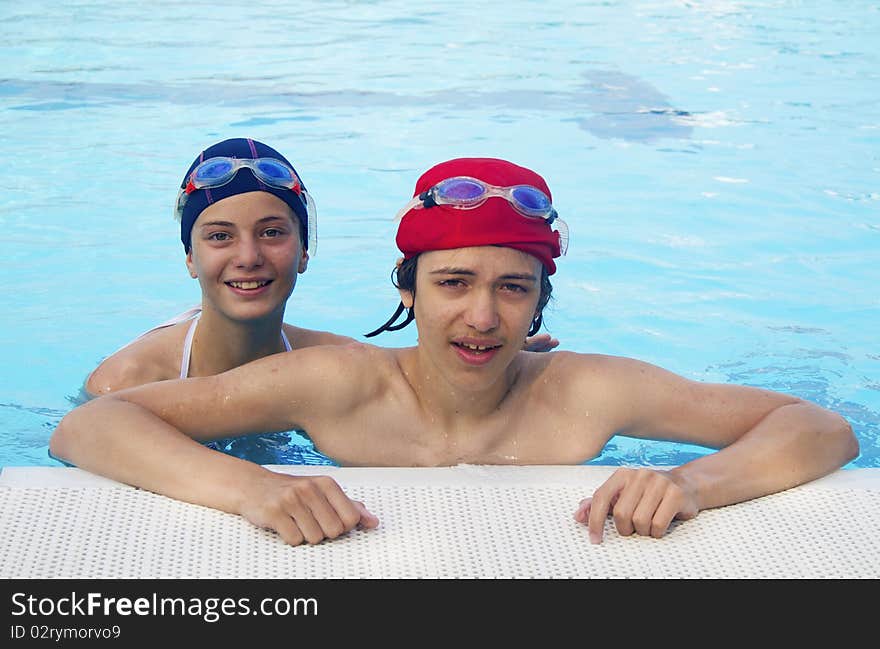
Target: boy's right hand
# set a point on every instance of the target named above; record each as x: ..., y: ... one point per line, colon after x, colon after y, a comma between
x: 304, y: 508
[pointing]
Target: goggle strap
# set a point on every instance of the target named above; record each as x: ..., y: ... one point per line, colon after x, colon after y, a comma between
x: 427, y: 198
x: 389, y: 326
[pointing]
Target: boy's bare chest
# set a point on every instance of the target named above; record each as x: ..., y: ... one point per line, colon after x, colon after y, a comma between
x: 401, y: 434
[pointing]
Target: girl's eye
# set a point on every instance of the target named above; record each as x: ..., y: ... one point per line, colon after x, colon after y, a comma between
x: 516, y: 288
x: 273, y: 232
x: 219, y: 236
x: 451, y: 282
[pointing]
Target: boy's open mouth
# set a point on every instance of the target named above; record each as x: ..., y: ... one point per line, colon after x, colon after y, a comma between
x: 477, y: 349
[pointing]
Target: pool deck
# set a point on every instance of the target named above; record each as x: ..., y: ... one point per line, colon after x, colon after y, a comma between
x: 465, y: 522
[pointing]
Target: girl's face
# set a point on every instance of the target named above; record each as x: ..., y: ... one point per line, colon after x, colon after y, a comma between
x: 246, y: 253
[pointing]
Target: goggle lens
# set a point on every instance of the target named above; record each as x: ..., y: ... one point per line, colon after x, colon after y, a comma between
x: 531, y: 199
x: 274, y: 170
x: 213, y: 170
x: 460, y: 190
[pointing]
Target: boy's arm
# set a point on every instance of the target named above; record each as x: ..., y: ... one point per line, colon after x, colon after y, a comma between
x: 145, y: 436
x: 769, y: 442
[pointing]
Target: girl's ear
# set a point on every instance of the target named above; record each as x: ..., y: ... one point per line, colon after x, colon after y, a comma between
x: 303, y: 262
x: 191, y: 267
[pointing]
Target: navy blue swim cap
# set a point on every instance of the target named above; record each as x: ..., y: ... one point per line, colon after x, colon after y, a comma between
x: 244, y: 181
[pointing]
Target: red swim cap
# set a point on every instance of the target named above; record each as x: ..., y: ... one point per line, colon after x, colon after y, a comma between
x: 494, y: 223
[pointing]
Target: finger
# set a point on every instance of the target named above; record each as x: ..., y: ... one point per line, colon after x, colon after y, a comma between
x: 288, y: 530
x: 539, y: 343
x: 301, y: 513
x: 602, y: 502
x: 367, y: 519
x: 582, y: 513
x: 627, y: 501
x: 643, y: 516
x: 667, y: 510
x: 351, y: 512
x: 334, y: 512
x: 530, y: 344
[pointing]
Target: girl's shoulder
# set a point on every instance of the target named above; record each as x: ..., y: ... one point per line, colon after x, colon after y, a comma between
x: 154, y: 356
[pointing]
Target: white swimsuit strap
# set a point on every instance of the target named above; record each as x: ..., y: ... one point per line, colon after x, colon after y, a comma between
x: 187, y: 347
x: 180, y: 317
x: 186, y: 315
x: 284, y: 339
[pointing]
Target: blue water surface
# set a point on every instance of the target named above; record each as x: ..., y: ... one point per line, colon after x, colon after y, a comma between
x: 717, y: 163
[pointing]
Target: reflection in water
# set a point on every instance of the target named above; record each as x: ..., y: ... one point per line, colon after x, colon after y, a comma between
x: 273, y: 448
x: 610, y: 104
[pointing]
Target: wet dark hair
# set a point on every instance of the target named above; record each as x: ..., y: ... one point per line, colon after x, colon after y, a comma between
x: 404, y: 277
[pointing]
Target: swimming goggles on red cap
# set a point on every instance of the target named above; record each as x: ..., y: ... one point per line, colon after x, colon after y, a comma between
x: 219, y: 171
x: 467, y: 193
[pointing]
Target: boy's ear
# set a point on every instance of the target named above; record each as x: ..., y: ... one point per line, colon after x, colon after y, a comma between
x: 303, y: 262
x: 406, y: 297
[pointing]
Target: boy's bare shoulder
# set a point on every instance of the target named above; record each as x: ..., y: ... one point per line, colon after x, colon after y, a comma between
x: 332, y: 378
x: 587, y: 363
x: 300, y: 337
x: 568, y: 362
x: 339, y: 354
x: 154, y: 357
x: 349, y: 357
x: 571, y: 375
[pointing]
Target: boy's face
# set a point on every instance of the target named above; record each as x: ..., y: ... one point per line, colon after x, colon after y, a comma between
x: 246, y: 253
x: 474, y: 309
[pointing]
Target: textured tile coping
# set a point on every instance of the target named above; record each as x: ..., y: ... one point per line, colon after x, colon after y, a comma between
x: 454, y: 522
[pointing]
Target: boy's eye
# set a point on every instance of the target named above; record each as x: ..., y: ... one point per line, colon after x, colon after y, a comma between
x: 273, y: 232
x: 219, y: 236
x: 516, y: 288
x: 451, y: 282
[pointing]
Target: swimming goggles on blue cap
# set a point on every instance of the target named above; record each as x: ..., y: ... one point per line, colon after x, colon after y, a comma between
x: 467, y: 193
x: 219, y: 171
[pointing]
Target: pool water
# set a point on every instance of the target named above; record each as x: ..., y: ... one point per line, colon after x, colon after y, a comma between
x: 717, y: 164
